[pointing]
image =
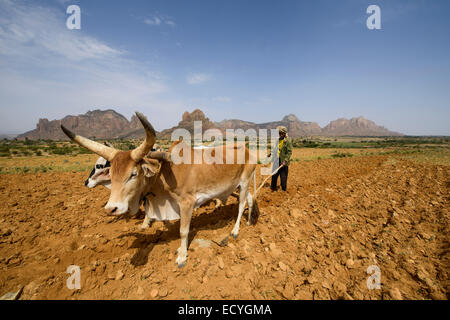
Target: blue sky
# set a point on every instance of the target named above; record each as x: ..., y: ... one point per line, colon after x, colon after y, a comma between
x: 251, y: 60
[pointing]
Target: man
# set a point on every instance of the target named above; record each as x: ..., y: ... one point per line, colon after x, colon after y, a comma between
x: 284, y: 151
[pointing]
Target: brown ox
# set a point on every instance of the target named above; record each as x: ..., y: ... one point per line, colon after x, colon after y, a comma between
x: 176, y: 189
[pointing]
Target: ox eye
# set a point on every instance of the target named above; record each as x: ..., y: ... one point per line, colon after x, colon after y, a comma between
x: 134, y: 174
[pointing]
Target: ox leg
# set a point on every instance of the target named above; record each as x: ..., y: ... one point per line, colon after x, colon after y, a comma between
x: 234, y: 195
x: 250, y: 207
x: 146, y: 222
x: 185, y: 222
x: 242, y: 202
x: 218, y: 203
x: 221, y: 201
x: 147, y: 218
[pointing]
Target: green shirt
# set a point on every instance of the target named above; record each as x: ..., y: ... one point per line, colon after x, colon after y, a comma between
x: 286, y: 151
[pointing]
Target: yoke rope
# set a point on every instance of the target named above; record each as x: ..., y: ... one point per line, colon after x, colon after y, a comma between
x: 261, y: 185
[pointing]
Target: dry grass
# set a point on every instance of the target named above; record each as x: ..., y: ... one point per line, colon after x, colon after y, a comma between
x: 85, y: 162
x: 33, y: 164
x: 430, y: 156
x: 307, y: 154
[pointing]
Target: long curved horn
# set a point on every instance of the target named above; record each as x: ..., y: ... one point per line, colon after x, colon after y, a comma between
x: 139, y: 153
x: 159, y: 155
x: 106, y: 152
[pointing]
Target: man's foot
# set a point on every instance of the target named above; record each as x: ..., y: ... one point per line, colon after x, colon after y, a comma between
x: 273, y: 190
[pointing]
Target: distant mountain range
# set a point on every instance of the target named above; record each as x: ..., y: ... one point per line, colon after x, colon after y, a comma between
x: 7, y: 136
x: 109, y: 124
x: 96, y: 124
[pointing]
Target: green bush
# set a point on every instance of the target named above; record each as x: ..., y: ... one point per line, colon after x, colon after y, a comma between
x: 83, y: 151
x: 311, y: 144
x: 298, y: 143
x: 342, y: 155
x: 61, y: 151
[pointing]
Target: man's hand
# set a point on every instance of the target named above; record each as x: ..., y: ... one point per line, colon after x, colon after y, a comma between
x: 284, y: 163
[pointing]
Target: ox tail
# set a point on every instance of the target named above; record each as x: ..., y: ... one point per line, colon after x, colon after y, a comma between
x: 255, y: 209
x: 254, y: 184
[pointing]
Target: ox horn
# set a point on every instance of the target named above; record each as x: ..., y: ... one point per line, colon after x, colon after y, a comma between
x: 104, y: 151
x: 139, y: 153
x: 159, y: 155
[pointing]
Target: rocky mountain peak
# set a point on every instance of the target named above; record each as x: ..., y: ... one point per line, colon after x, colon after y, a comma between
x: 291, y: 118
x: 108, y: 124
x: 187, y: 122
x: 196, y: 115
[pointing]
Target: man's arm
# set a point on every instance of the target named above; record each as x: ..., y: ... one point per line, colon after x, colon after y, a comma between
x: 288, y: 151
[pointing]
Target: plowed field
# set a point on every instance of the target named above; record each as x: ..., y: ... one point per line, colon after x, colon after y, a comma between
x: 316, y: 241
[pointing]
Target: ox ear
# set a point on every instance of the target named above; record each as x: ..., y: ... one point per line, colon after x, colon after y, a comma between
x: 150, y: 167
x: 102, y: 175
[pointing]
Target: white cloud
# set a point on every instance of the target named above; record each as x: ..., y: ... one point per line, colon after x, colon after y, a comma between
x: 154, y: 21
x: 170, y: 23
x: 50, y: 71
x: 37, y: 31
x: 197, y: 78
x: 157, y: 20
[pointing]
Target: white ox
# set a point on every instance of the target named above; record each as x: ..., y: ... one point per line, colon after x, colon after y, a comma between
x: 176, y: 188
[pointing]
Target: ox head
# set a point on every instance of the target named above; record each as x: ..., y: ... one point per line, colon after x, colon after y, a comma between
x: 129, y: 170
x: 100, y: 173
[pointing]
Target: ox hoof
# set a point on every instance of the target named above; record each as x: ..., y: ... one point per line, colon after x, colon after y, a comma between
x: 180, y: 264
x: 234, y: 236
x: 181, y: 260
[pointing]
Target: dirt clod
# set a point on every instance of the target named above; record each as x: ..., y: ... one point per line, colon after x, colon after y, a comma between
x: 395, y: 294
